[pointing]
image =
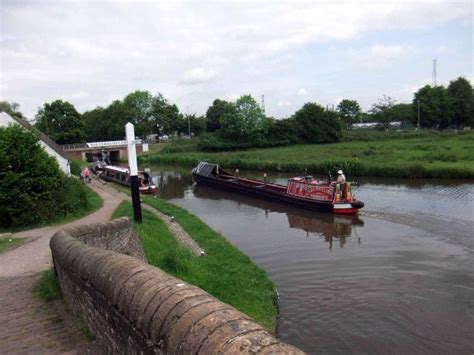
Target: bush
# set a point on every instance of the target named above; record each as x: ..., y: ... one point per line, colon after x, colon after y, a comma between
x: 33, y: 190
x: 76, y: 167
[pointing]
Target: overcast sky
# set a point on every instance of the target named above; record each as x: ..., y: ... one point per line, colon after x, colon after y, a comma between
x: 93, y: 52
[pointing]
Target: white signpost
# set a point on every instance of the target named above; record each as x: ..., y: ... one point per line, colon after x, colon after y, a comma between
x: 133, y: 166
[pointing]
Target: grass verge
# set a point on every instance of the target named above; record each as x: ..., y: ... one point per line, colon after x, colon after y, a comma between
x: 10, y: 243
x: 440, y: 155
x: 225, y: 272
x: 48, y: 286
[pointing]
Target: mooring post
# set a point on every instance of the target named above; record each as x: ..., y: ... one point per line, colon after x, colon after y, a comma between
x: 133, y: 166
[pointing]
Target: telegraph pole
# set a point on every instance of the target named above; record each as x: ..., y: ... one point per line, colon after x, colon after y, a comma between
x: 418, y: 102
x: 132, y: 163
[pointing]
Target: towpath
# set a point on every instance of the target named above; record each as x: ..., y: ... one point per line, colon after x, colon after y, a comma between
x: 27, y: 323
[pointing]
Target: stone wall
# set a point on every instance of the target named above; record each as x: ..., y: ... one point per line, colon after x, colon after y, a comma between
x: 133, y: 307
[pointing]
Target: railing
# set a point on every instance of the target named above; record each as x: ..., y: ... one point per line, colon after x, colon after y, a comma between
x: 83, y: 146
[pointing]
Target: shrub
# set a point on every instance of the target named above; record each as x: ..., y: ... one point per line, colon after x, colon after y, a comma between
x: 33, y: 190
x: 76, y: 167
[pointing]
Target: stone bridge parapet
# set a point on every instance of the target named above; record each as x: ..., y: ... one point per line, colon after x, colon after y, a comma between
x: 135, y: 308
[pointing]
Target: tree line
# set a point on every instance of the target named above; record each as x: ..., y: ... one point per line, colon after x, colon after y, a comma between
x: 243, y: 122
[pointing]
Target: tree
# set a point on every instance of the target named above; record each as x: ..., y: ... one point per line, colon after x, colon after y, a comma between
x: 251, y: 115
x: 214, y: 114
x: 383, y: 112
x: 29, y: 178
x: 435, y: 107
x: 403, y: 113
x: 61, y: 122
x: 166, y: 117
x: 462, y: 102
x: 231, y: 127
x: 195, y: 124
x: 96, y: 128
x: 150, y: 114
x: 138, y: 110
x: 316, y: 125
x: 13, y: 109
x: 349, y: 111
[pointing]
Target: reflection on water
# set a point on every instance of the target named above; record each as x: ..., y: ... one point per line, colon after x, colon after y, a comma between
x: 396, y: 279
x: 332, y: 228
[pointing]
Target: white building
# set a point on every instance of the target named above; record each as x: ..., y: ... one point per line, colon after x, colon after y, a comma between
x: 47, y: 143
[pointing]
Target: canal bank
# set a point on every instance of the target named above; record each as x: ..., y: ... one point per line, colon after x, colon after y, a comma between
x: 397, y: 278
x: 436, y: 155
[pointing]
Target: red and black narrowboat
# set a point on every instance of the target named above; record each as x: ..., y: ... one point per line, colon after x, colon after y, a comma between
x: 122, y: 176
x: 305, y: 191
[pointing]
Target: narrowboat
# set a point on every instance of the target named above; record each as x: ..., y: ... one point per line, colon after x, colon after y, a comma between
x: 302, y: 191
x: 98, y: 166
x: 122, y: 176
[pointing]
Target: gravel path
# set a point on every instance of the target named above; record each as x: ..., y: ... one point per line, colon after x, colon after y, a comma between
x: 27, y: 324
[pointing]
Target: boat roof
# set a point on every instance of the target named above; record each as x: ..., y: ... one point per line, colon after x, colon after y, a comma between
x: 116, y: 168
x: 205, y: 168
x: 305, y: 180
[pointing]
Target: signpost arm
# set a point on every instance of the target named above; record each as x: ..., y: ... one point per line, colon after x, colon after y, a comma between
x: 133, y: 166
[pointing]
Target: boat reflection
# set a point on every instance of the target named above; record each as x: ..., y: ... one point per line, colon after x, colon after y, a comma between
x: 333, y: 228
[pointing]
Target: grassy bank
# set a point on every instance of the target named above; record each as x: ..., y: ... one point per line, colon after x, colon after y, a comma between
x: 423, y: 155
x: 10, y: 243
x: 225, y: 272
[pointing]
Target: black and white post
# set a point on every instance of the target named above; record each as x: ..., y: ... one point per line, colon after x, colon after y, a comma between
x: 132, y: 163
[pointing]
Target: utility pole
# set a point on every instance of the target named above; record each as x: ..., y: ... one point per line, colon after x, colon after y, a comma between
x: 434, y: 72
x: 133, y: 166
x: 263, y: 103
x: 418, y: 102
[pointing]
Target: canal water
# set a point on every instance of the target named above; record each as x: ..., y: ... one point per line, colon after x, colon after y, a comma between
x: 397, y: 278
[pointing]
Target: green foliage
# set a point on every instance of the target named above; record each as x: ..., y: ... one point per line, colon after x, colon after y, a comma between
x: 404, y: 113
x: 76, y: 167
x: 150, y: 115
x: 462, y: 100
x: 435, y: 107
x: 32, y: 188
x: 214, y: 114
x: 349, y: 112
x: 48, y: 286
x: 13, y: 109
x: 61, y: 122
x: 250, y: 114
x: 225, y: 272
x: 383, y: 112
x: 440, y: 154
x: 316, y: 125
x: 29, y: 177
x: 231, y: 127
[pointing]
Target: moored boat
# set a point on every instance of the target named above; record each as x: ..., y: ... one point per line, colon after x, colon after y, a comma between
x: 304, y: 191
x: 122, y: 176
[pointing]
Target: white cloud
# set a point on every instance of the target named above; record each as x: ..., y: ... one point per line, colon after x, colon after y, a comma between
x: 379, y: 56
x: 198, y: 75
x: 284, y: 103
x: 109, y: 48
x: 302, y: 92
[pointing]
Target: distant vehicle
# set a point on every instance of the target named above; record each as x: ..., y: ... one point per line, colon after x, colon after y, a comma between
x: 122, y: 176
x: 303, y: 191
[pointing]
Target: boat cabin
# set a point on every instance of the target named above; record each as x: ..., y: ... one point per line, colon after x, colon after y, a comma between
x: 307, y: 187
